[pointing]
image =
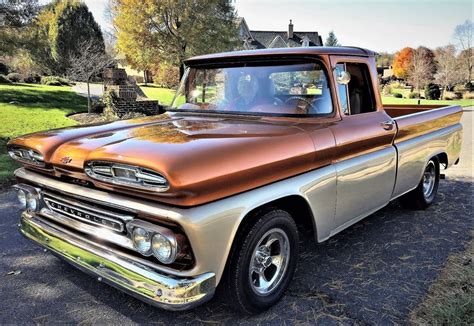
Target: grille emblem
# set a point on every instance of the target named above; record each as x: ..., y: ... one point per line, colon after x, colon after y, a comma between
x: 85, y: 215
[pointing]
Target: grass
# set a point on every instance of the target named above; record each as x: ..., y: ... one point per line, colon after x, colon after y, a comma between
x: 450, y: 299
x: 163, y: 95
x: 405, y: 100
x: 387, y: 100
x: 26, y: 108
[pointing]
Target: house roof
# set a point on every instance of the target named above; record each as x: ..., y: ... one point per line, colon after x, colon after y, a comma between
x: 282, y: 52
x: 264, y: 39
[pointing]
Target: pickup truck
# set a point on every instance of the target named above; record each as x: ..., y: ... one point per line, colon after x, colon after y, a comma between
x: 213, y: 194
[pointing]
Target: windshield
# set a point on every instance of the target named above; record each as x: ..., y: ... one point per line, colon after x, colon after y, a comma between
x: 291, y: 89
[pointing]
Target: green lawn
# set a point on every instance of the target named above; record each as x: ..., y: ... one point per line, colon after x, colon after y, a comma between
x: 26, y: 108
x: 163, y: 95
x: 393, y: 100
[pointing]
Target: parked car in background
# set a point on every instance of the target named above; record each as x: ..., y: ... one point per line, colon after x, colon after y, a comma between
x: 256, y: 146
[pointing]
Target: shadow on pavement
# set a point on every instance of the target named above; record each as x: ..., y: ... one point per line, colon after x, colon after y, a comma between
x: 374, y: 272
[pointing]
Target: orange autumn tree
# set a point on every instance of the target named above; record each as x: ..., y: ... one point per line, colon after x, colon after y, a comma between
x: 402, y: 63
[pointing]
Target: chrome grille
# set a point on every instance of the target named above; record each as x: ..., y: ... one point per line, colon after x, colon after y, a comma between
x: 86, y: 213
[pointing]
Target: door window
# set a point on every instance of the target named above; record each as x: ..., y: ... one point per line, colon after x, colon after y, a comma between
x: 357, y: 96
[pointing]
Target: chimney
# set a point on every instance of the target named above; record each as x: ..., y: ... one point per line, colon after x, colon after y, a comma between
x: 290, y: 30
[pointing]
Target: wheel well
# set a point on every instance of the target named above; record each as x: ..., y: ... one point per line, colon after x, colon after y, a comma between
x: 443, y: 159
x: 296, y: 206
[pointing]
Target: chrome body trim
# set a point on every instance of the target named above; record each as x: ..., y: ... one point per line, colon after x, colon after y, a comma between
x: 86, y: 213
x: 144, y: 179
x: 156, y: 229
x: 414, y: 154
x: 104, y: 234
x: 26, y: 155
x: 122, y: 272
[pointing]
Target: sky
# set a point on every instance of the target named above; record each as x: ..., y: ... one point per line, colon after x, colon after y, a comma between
x: 380, y: 25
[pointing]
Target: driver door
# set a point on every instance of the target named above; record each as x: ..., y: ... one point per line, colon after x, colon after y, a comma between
x: 365, y: 157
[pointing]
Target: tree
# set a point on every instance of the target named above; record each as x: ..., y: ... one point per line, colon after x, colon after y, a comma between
x: 463, y: 35
x: 402, y: 62
x: 88, y: 64
x: 61, y: 30
x: 15, y: 17
x: 447, y: 73
x: 331, y: 40
x: 150, y: 32
x: 384, y: 59
x: 420, y: 71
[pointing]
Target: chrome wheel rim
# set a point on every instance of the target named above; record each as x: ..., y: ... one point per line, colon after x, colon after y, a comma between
x: 429, y: 178
x: 269, y: 261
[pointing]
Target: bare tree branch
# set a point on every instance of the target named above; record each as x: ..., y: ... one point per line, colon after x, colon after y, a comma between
x: 88, y: 64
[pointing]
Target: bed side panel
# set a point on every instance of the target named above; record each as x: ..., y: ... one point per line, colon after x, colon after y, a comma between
x: 422, y: 136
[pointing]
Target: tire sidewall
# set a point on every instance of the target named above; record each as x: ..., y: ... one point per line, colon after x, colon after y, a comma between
x: 431, y: 198
x: 273, y: 219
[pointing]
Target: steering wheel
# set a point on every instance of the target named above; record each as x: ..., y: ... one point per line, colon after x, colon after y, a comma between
x: 277, y: 101
x: 300, y: 98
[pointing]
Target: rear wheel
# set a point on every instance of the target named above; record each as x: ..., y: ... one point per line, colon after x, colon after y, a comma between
x: 262, y: 262
x: 424, y: 195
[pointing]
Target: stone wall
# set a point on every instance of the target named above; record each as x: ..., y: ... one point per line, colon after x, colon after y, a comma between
x: 149, y: 107
x: 127, y: 97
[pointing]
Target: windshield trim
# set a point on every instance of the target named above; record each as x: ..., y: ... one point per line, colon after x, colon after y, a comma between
x: 265, y: 61
x: 256, y: 114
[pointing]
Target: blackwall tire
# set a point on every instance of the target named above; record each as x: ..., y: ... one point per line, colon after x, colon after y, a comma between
x: 424, y: 194
x: 262, y: 262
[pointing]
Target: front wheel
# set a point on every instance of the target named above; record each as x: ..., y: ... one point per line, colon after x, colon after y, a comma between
x: 424, y: 195
x: 262, y: 262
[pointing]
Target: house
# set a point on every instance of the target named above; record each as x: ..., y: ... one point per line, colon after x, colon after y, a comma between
x: 252, y: 39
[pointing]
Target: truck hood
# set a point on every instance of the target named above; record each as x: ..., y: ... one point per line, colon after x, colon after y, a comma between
x: 204, y: 158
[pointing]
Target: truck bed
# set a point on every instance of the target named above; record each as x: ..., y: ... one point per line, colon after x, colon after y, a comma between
x: 417, y: 120
x: 423, y: 131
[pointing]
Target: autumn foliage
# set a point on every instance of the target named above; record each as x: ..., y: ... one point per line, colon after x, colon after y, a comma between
x: 402, y: 63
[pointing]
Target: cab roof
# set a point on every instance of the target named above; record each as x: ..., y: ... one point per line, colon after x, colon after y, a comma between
x: 281, y: 52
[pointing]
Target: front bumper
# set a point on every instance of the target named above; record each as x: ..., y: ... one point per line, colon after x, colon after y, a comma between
x: 121, y: 272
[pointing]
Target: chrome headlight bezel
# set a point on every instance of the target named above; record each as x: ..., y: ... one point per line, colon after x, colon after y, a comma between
x: 126, y: 175
x: 26, y: 155
x: 152, y: 230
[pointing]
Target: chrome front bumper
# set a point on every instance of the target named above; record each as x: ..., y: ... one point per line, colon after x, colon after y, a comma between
x: 121, y: 272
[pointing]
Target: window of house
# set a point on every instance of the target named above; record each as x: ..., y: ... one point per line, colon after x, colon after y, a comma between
x: 356, y: 97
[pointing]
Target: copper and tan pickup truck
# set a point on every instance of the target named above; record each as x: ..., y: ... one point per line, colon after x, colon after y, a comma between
x: 210, y: 195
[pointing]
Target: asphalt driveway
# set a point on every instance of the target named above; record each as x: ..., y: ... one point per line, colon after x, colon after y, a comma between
x: 372, y: 273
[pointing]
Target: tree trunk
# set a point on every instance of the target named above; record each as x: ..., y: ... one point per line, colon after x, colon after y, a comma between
x: 181, y: 70
x: 89, y: 108
x: 145, y: 77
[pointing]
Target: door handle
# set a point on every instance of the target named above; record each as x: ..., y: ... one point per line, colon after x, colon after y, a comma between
x: 388, y: 125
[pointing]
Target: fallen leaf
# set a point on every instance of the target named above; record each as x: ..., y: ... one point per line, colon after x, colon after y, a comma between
x: 405, y: 257
x: 14, y: 272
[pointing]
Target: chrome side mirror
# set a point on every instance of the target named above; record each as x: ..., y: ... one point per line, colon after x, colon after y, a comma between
x: 343, y: 77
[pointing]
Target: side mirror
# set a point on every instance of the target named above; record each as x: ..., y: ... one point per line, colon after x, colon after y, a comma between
x: 343, y: 77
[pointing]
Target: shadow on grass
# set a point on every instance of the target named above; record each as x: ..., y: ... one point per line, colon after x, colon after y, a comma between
x: 45, y: 99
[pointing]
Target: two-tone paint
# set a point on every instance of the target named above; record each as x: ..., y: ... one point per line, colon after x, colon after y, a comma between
x: 336, y: 169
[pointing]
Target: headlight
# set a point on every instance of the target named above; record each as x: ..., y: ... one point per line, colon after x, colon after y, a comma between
x: 151, y: 239
x: 32, y: 202
x: 141, y: 239
x: 22, y: 197
x: 126, y: 175
x: 162, y: 249
x: 28, y: 196
x: 26, y: 155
